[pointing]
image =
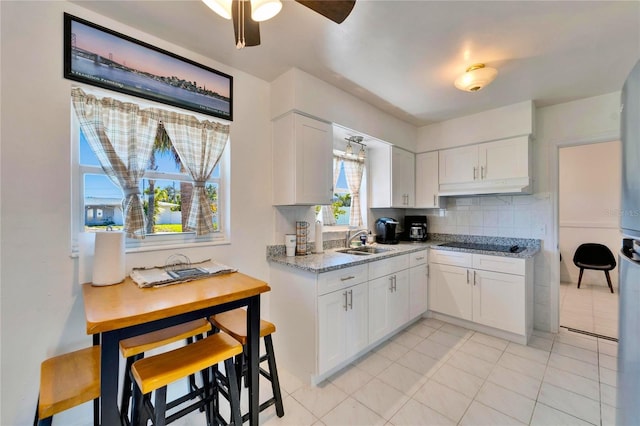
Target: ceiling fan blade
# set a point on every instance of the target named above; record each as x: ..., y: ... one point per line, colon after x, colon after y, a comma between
x: 251, y: 27
x: 336, y: 10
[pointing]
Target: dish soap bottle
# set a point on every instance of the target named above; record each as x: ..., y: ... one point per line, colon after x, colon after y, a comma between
x: 370, y: 238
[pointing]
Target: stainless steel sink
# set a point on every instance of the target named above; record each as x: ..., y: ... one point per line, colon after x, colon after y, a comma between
x: 366, y: 250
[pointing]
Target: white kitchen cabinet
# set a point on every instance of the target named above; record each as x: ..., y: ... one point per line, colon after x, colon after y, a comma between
x: 388, y: 304
x: 498, y: 300
x: 427, y: 180
x: 450, y: 291
x: 302, y: 161
x: 392, y: 177
x: 418, y: 283
x: 493, y: 167
x: 402, y: 178
x: 458, y: 165
x: 491, y: 291
x: 342, y: 325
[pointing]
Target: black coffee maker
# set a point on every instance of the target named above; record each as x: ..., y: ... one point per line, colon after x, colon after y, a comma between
x: 415, y: 228
x: 386, y: 230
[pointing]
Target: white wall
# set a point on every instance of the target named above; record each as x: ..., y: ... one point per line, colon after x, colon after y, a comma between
x: 41, y: 307
x: 297, y: 90
x: 589, y: 197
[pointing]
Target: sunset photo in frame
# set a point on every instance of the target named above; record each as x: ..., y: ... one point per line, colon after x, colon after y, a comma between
x: 101, y: 57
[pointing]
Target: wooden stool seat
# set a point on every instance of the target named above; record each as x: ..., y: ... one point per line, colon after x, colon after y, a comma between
x: 234, y: 323
x: 159, y: 370
x: 146, y: 342
x: 69, y: 380
x: 156, y: 372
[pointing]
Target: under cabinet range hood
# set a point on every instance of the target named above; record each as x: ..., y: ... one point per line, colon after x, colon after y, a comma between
x: 505, y: 186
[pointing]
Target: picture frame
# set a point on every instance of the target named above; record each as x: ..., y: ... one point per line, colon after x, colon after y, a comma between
x: 101, y: 57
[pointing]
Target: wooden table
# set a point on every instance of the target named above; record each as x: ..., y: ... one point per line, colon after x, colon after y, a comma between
x: 123, y: 310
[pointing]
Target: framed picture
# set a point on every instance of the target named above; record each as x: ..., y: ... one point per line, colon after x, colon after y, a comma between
x: 98, y: 56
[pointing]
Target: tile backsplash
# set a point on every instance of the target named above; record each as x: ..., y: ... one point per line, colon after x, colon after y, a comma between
x: 512, y: 216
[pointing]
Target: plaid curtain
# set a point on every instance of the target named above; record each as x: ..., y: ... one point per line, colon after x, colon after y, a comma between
x: 199, y: 145
x: 121, y: 136
x: 353, y: 170
x: 327, y: 212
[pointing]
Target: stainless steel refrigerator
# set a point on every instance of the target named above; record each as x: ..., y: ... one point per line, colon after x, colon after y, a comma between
x: 628, y: 394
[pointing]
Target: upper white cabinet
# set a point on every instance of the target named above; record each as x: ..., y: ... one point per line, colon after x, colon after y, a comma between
x: 492, y: 167
x: 392, y: 174
x: 302, y: 161
x: 427, y: 180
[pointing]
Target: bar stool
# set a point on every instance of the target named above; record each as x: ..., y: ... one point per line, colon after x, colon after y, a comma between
x: 234, y: 323
x: 67, y: 381
x: 134, y: 348
x: 154, y: 373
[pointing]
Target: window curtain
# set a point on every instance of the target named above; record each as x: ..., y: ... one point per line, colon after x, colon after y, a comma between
x: 199, y: 145
x: 327, y: 211
x: 353, y: 170
x: 122, y: 137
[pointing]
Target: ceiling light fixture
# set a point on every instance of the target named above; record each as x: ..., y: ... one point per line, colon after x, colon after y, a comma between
x: 475, y: 78
x: 261, y: 10
x: 221, y: 7
x: 358, y: 140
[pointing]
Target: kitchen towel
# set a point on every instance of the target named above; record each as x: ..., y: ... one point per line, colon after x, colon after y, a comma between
x: 108, y: 258
x: 302, y: 235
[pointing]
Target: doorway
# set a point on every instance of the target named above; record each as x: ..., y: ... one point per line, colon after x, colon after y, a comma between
x: 588, y: 203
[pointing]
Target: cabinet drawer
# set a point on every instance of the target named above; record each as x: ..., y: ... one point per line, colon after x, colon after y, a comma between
x: 507, y: 265
x: 417, y: 258
x: 388, y: 266
x: 453, y: 258
x: 340, y: 278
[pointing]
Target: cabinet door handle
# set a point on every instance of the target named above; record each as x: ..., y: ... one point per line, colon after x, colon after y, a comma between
x: 350, y: 277
x: 467, y: 276
x: 474, y: 172
x: 482, y: 172
x: 395, y: 281
x: 428, y: 272
x: 420, y: 258
x: 345, y: 300
x: 351, y: 299
x: 391, y: 284
x: 434, y: 200
x: 474, y: 277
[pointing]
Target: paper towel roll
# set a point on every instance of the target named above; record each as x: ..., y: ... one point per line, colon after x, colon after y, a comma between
x: 319, y: 243
x: 108, y: 258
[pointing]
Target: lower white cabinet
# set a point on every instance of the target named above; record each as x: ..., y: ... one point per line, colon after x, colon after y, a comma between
x: 343, y: 319
x: 325, y: 320
x: 499, y: 296
x: 388, y: 304
x: 450, y: 292
x: 418, y: 283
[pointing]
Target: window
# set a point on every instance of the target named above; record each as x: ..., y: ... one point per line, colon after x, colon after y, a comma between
x: 340, y: 212
x: 165, y: 191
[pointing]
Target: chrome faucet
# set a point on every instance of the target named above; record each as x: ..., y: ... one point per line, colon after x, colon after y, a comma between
x: 352, y: 237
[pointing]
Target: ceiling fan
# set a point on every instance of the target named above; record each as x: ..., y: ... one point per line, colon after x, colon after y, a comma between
x: 247, y: 14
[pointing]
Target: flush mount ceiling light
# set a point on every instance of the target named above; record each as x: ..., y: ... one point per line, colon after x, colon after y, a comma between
x: 475, y: 78
x: 247, y: 14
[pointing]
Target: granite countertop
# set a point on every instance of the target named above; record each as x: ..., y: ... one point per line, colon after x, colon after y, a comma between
x: 331, y: 259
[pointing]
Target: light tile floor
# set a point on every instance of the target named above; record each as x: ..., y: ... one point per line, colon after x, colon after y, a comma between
x: 591, y: 308
x: 434, y: 373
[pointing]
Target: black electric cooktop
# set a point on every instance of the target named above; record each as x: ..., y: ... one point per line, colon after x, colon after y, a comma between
x: 487, y: 247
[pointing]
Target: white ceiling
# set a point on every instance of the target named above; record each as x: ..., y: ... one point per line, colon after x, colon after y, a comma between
x: 403, y: 56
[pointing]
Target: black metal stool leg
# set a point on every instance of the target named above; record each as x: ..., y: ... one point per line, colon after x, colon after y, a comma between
x: 273, y: 372
x: 234, y: 392
x: 160, y: 407
x: 580, y: 277
x: 609, y: 280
